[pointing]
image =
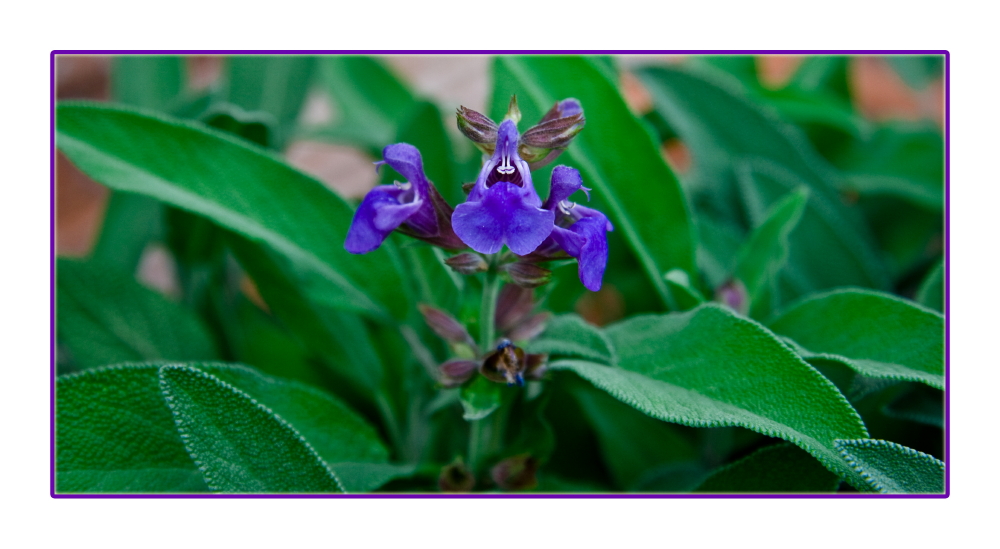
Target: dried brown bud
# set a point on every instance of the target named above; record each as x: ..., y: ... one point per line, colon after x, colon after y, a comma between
x: 505, y: 365
x: 445, y: 326
x: 456, y: 477
x: 516, y: 472
x: 467, y: 263
x: 527, y: 275
x: 457, y: 371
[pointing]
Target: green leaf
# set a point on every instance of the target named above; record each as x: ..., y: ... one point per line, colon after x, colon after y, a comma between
x: 305, y: 305
x: 365, y: 477
x: 480, y: 398
x: 830, y: 246
x: 616, y: 156
x: 238, y: 187
x: 746, y: 159
x: 765, y: 252
x: 148, y: 81
x: 370, y: 101
x: 240, y: 444
x: 685, y: 293
x: 873, y: 333
x: 130, y: 223
x: 931, y: 291
x: 710, y: 368
x: 275, y: 84
x: 335, y: 431
x: 635, y: 447
x: 104, y: 317
x: 777, y: 469
x: 890, y: 468
x: 570, y: 335
x: 114, y: 433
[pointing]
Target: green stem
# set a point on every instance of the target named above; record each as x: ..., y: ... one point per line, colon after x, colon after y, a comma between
x: 487, y: 317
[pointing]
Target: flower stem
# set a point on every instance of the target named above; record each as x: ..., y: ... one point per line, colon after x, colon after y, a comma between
x: 487, y: 316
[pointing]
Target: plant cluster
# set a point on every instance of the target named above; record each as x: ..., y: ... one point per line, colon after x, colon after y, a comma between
x: 767, y: 321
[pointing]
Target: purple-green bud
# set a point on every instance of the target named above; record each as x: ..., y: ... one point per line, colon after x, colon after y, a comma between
x: 478, y: 128
x: 467, y: 263
x: 527, y: 275
x: 529, y: 328
x: 535, y: 365
x: 456, y: 477
x: 513, y: 112
x: 516, y: 472
x: 513, y: 305
x: 457, y: 371
x: 542, y: 143
x: 445, y: 326
x: 734, y: 295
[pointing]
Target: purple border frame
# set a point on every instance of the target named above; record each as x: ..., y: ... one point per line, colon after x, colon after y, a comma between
x: 52, y: 274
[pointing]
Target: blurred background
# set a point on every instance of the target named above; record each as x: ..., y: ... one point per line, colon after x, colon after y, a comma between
x: 299, y: 117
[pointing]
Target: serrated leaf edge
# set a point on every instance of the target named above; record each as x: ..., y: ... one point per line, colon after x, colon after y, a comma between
x: 843, y: 445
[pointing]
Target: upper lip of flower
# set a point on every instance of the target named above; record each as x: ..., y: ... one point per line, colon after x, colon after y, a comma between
x: 505, y: 165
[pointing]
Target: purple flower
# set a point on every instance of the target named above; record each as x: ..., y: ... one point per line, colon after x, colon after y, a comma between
x: 580, y: 232
x: 414, y: 208
x: 503, y: 206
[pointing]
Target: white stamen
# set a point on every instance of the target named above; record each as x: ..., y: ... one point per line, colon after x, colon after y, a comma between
x: 505, y: 166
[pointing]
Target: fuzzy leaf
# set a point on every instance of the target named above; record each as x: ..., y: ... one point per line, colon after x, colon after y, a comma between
x: 365, y: 477
x: 336, y: 432
x: 275, y: 84
x: 776, y: 469
x: 890, y: 468
x: 711, y: 368
x: 480, y: 398
x: 114, y: 433
x: 239, y: 444
x: 875, y: 334
x: 238, y: 187
x: 569, y: 335
x: 105, y: 317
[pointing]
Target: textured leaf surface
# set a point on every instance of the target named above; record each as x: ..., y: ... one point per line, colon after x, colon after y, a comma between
x: 876, y: 334
x: 890, y: 468
x: 114, y: 433
x: 336, y: 432
x: 711, y: 368
x: 239, y: 444
x: 632, y: 183
x: 235, y: 185
x: 781, y: 468
x: 105, y: 317
x: 570, y: 335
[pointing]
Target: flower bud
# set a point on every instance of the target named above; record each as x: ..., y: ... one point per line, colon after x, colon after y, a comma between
x: 516, y: 472
x: 535, y: 365
x: 467, y: 263
x: 513, y: 305
x: 527, y: 275
x: 478, y: 128
x: 513, y: 112
x: 734, y: 294
x: 542, y: 143
x: 445, y: 326
x: 457, y: 371
x: 456, y: 477
x: 529, y: 328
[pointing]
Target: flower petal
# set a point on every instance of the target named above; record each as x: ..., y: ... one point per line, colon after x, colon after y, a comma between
x: 378, y: 215
x: 593, y: 256
x: 405, y: 159
x: 565, y: 182
x: 505, y: 215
